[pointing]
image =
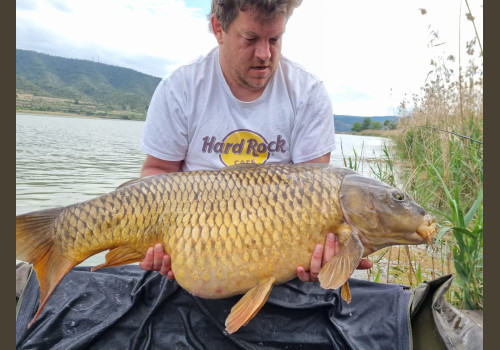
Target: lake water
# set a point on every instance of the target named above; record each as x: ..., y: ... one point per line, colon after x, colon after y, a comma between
x: 64, y: 160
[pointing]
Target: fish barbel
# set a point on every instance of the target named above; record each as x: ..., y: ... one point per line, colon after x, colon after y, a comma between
x: 236, y: 230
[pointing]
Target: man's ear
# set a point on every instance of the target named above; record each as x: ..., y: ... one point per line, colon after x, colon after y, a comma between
x: 216, y: 28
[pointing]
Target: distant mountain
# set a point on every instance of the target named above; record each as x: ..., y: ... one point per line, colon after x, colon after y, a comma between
x: 344, y: 123
x: 57, y: 84
x: 64, y: 85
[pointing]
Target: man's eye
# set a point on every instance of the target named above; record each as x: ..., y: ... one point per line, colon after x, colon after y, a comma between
x: 250, y: 39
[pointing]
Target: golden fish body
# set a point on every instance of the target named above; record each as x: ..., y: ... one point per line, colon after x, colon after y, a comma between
x: 227, y: 231
x: 244, y: 225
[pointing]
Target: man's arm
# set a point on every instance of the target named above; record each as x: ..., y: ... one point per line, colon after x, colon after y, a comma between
x: 323, y: 159
x: 154, y: 166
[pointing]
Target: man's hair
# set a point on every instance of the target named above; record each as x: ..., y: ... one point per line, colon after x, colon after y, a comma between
x: 227, y: 10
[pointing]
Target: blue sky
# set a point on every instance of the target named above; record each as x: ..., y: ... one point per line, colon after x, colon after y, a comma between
x: 200, y: 4
x: 370, y: 54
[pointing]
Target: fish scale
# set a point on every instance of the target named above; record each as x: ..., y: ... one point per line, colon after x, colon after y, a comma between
x: 230, y: 231
x: 240, y: 226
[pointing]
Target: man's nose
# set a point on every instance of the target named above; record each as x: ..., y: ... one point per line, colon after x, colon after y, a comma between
x: 263, y: 50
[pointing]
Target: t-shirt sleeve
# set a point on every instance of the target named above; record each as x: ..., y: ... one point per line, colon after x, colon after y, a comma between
x: 314, y: 132
x: 165, y: 133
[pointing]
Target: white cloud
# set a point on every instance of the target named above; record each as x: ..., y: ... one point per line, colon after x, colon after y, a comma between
x: 371, y: 53
x: 368, y: 53
x: 114, y: 30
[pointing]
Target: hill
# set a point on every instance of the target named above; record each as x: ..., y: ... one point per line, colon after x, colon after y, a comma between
x: 344, y: 123
x: 56, y: 84
x: 46, y: 83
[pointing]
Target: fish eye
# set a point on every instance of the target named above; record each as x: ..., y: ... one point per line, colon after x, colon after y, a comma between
x: 398, y: 195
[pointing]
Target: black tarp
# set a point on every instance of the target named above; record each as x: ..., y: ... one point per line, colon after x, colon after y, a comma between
x: 128, y: 308
x: 436, y: 324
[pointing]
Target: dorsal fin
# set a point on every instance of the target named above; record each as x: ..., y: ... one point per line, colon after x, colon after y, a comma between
x: 130, y: 182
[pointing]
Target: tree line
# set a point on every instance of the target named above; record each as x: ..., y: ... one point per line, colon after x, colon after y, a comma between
x: 368, y: 124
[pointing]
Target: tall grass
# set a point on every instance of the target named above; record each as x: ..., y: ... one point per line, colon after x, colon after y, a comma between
x: 444, y: 173
x: 437, y: 158
x: 467, y: 229
x: 440, y: 145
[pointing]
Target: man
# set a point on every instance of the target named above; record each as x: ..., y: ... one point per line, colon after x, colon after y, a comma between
x: 242, y: 103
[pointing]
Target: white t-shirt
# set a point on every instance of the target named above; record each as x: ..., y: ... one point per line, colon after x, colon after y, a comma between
x: 193, y: 116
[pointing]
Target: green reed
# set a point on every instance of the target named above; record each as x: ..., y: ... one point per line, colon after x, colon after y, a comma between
x: 437, y: 158
x: 441, y: 148
x: 352, y: 163
x: 445, y: 173
x: 467, y: 229
x: 384, y: 168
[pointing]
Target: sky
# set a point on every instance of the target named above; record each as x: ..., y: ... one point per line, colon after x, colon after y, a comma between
x: 371, y: 55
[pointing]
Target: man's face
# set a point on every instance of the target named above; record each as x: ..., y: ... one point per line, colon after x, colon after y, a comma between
x: 250, y: 50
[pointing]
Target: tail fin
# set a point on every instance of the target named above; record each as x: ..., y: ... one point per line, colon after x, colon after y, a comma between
x: 35, y: 244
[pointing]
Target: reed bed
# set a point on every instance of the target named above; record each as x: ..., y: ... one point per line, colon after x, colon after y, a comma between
x: 437, y: 158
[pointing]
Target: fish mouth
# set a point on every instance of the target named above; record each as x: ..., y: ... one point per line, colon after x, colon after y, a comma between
x: 427, y: 228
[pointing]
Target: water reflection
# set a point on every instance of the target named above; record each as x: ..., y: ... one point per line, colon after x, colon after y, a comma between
x: 64, y: 160
x: 366, y: 149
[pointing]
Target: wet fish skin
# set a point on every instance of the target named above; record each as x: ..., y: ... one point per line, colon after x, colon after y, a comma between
x: 228, y: 232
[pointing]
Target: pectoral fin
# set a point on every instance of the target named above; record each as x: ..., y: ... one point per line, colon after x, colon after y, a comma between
x: 336, y: 272
x: 248, y: 306
x: 121, y: 256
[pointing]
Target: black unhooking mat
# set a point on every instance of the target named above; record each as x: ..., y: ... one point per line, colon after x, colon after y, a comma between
x: 128, y: 308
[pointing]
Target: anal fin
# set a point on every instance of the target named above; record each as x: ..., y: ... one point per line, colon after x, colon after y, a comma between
x: 121, y: 255
x: 336, y: 272
x: 248, y: 306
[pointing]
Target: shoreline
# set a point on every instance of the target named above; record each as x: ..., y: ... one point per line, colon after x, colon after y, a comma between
x: 69, y: 115
x: 57, y: 114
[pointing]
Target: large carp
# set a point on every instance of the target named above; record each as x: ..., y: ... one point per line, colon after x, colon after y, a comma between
x: 230, y: 231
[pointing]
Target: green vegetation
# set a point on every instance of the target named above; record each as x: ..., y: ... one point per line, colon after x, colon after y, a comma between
x: 368, y: 124
x: 437, y: 158
x: 345, y: 123
x: 47, y: 83
x: 442, y: 147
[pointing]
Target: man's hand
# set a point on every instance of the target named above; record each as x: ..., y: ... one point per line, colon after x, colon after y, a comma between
x: 157, y: 260
x: 320, y: 258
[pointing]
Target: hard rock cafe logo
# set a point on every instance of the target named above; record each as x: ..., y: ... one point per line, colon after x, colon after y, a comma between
x: 243, y: 146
